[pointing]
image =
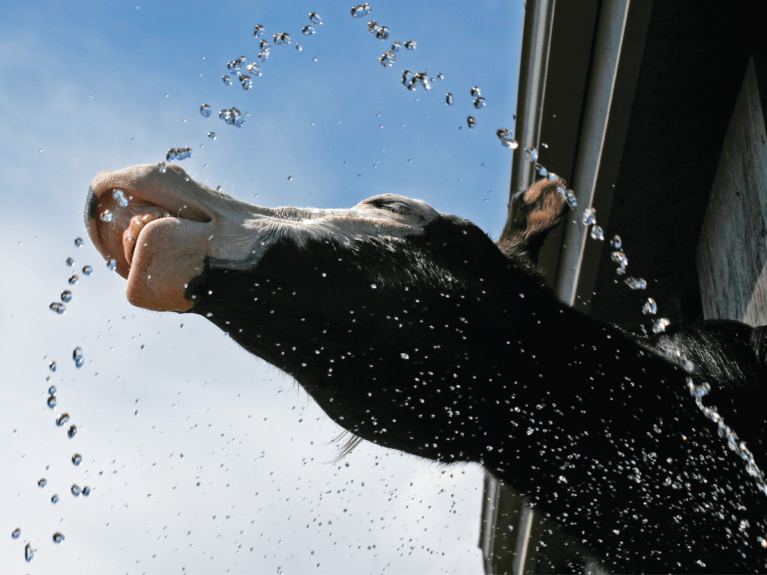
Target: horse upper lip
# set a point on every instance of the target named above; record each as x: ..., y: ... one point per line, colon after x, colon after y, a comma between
x: 148, y: 195
x: 144, y: 184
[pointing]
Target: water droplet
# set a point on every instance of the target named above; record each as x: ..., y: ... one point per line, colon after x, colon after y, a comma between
x: 86, y: 491
x: 449, y: 100
x: 72, y: 431
x: 541, y: 170
x: 361, y: 11
x: 650, y: 307
x: 388, y: 59
x: 58, y: 307
x: 54, y: 499
x: 404, y: 356
x: 308, y: 30
x: 78, y: 243
x: 111, y: 264
x: 263, y: 45
x: 246, y: 81
x: 52, y: 366
x: 423, y: 79
x: 382, y: 33
x: 212, y: 135
x: 16, y: 532
x: 178, y: 154
x: 106, y: 216
x: 63, y: 418
x: 372, y: 26
x: 298, y: 47
x: 660, y: 325
x: 408, y: 80
x: 315, y: 18
x: 531, y: 154
x: 119, y: 196
x: 635, y: 283
x: 597, y: 233
x: 75, y: 490
x: 227, y: 80
x: 476, y: 92
x: 28, y: 553
x: 258, y: 31
x: 77, y: 459
x: 699, y: 390
x: 281, y: 38
x: 620, y: 259
x: 52, y: 401
x: 479, y: 103
x: 42, y: 482
x: 410, y: 45
x: 589, y: 217
x: 570, y: 199
x: 73, y: 279
x: 441, y: 76
x: 396, y: 46
x: 161, y: 167
x: 58, y: 537
x: 77, y: 355
x: 235, y: 65
x: 205, y: 111
x: 616, y: 242
x: 254, y: 69
x: 52, y: 390
x: 87, y: 270
x: 263, y: 55
x: 290, y: 178
x: 506, y: 138
x: 232, y: 116
x: 70, y: 262
x: 471, y: 122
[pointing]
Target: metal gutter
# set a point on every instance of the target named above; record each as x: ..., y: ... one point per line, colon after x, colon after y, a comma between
x: 511, y: 529
x: 596, y: 114
x: 536, y: 42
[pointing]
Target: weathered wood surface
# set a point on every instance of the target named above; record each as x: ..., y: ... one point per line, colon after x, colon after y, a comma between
x: 732, y: 252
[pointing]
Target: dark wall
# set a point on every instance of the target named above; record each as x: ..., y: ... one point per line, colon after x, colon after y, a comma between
x: 691, y: 73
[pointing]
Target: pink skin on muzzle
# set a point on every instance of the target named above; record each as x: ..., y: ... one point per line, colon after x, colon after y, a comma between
x: 159, y: 240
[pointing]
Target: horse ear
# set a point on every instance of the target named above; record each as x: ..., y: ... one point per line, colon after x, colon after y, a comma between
x: 533, y: 213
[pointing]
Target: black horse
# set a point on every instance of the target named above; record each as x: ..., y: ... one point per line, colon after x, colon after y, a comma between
x: 413, y: 330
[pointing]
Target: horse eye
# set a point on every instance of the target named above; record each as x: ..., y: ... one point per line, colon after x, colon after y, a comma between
x: 398, y: 207
x: 392, y: 206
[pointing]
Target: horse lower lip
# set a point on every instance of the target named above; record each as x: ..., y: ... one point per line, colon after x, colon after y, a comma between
x: 137, y: 226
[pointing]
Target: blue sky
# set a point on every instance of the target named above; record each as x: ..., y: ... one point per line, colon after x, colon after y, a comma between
x: 88, y: 86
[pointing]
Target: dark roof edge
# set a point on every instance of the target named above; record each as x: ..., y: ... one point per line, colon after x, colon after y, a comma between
x: 536, y: 41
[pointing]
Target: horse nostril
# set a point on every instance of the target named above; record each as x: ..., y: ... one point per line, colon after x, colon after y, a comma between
x: 91, y: 205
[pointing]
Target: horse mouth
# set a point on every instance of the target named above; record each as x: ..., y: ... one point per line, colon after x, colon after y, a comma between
x: 122, y: 205
x: 132, y: 234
